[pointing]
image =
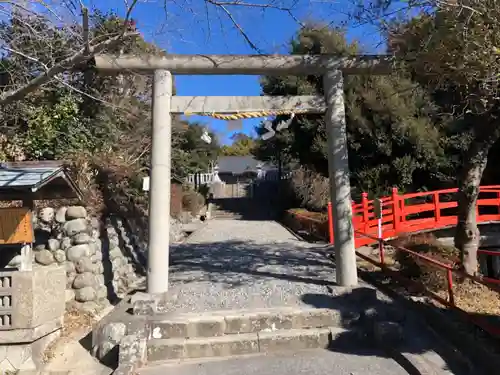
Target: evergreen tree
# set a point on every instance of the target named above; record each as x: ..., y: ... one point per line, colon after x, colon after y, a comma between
x: 395, y: 135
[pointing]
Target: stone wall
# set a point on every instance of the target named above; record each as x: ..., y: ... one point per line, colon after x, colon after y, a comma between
x: 126, y: 253
x: 97, y: 258
x: 105, y: 259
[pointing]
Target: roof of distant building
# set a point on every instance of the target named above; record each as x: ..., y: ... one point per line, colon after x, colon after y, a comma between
x: 241, y: 164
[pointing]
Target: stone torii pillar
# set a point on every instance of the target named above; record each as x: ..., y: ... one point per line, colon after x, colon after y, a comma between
x: 159, y: 198
x: 164, y: 104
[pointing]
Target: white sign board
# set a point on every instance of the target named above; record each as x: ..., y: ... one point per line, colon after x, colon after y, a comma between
x: 145, y: 183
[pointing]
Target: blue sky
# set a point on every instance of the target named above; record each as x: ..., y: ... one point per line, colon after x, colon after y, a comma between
x: 196, y: 27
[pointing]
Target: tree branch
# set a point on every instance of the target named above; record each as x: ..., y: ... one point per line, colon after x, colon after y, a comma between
x: 71, y: 61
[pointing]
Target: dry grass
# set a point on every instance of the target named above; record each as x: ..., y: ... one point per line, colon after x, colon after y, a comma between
x: 477, y: 298
x: 433, y: 277
x: 469, y: 295
x: 320, y: 216
x: 75, y: 322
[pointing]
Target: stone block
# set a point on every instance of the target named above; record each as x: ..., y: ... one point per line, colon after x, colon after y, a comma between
x: 38, y: 296
x: 272, y: 322
x: 238, y: 324
x: 163, y: 351
x: 25, y: 356
x: 148, y: 304
x: 194, y: 326
x: 282, y: 318
x: 242, y: 344
x: 17, y: 355
x: 206, y: 327
x: 223, y: 346
x: 26, y: 335
x: 138, y: 327
x: 169, y: 329
x: 294, y: 339
x: 132, y: 351
x: 317, y: 319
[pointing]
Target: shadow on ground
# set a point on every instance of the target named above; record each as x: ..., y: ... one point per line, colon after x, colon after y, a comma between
x: 247, y: 208
x: 361, y: 339
x: 234, y: 263
x: 263, y: 200
x: 237, y: 264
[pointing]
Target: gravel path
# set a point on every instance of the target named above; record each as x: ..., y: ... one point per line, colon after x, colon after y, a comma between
x: 248, y: 264
x: 235, y: 264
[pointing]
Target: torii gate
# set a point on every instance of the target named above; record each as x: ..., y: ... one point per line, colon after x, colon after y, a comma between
x: 164, y: 104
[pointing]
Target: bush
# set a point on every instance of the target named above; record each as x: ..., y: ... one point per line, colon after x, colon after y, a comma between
x: 112, y: 184
x: 204, y: 190
x: 192, y: 202
x: 311, y: 189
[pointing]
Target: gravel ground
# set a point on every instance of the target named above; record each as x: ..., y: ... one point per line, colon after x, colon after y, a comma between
x: 231, y: 264
x: 235, y: 264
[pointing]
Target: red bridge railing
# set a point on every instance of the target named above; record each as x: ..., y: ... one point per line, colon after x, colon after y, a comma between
x: 408, y: 213
x: 417, y: 212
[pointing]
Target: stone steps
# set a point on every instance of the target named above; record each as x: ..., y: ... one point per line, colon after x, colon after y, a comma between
x: 230, y: 333
x: 161, y: 350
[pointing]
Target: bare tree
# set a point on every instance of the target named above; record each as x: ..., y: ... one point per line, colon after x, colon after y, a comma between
x: 72, y: 17
x: 53, y: 20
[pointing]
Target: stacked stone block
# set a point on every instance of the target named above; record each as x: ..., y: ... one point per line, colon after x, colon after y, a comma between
x: 99, y: 259
x: 70, y: 237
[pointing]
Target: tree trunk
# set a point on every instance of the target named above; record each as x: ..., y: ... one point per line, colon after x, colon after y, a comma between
x: 467, y: 234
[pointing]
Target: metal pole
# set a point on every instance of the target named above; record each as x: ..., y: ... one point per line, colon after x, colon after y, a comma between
x: 159, y: 197
x: 340, y: 188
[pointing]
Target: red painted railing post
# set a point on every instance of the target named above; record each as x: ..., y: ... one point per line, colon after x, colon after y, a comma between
x: 451, y: 296
x: 330, y: 222
x: 396, y: 211
x: 381, y: 251
x: 477, y: 207
x: 364, y: 202
x: 498, y: 198
x: 437, y: 209
x: 402, y: 208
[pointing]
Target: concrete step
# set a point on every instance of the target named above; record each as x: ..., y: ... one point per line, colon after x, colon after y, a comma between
x: 227, y: 322
x: 164, y: 350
